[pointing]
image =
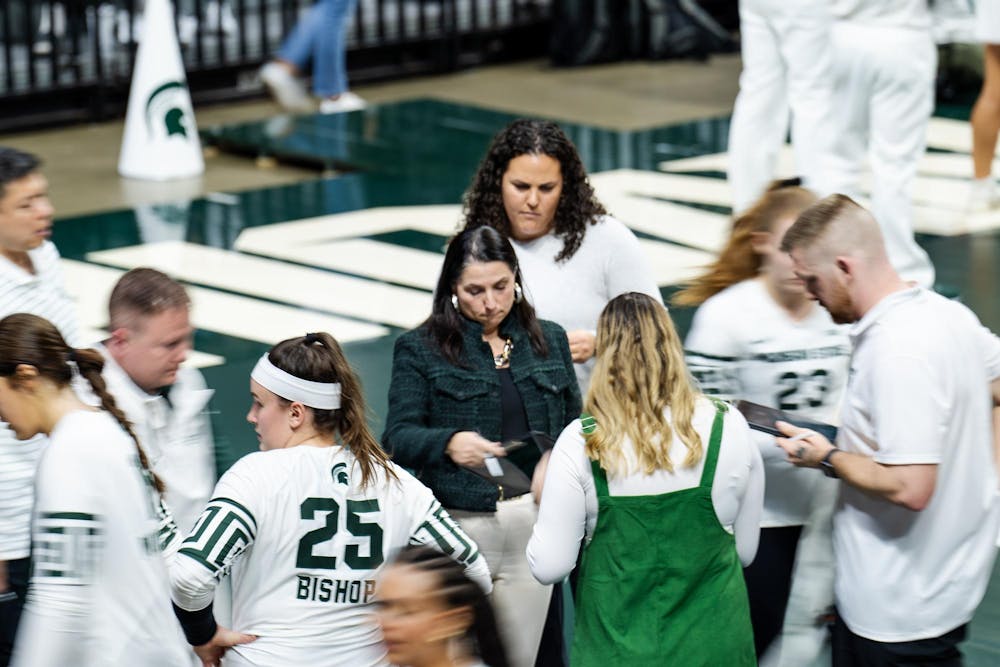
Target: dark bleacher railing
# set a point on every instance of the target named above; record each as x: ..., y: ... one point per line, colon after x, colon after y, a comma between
x: 71, y: 60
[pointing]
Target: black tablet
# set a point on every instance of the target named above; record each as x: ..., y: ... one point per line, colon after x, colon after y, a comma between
x: 763, y: 418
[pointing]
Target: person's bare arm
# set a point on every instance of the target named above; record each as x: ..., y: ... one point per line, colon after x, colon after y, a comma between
x: 910, y: 486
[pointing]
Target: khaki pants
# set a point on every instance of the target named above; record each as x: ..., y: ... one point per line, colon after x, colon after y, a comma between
x: 519, y: 601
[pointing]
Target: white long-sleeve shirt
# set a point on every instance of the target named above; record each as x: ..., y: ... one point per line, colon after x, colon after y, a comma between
x: 568, y: 512
x: 572, y: 293
x: 305, y: 543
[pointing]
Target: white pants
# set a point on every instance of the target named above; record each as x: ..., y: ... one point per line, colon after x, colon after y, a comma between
x: 884, y: 84
x: 803, y: 641
x: 786, y: 65
x: 520, y: 602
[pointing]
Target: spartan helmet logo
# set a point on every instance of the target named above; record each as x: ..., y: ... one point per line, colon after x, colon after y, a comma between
x: 166, y: 110
x: 339, y: 474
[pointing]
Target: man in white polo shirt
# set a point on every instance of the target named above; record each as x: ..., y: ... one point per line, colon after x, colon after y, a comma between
x: 916, y: 526
x: 31, y: 281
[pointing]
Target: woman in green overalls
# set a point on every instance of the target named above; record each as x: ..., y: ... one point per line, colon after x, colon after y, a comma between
x: 664, y: 488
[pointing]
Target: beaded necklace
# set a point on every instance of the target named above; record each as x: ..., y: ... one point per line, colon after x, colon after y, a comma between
x: 503, y: 359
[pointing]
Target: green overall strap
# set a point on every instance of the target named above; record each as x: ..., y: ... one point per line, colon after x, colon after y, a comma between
x: 589, y: 425
x: 714, y: 441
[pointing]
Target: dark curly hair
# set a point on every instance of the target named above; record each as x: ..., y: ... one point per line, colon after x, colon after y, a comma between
x: 578, y: 206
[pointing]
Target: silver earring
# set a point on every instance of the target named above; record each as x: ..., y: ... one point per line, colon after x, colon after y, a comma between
x: 518, y: 293
x: 454, y: 301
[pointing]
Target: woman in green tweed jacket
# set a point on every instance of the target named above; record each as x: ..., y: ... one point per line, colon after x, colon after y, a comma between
x: 480, y: 371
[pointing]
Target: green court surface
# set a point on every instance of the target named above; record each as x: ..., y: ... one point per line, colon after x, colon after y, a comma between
x: 358, y: 254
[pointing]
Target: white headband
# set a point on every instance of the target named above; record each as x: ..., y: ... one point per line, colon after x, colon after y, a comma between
x: 320, y: 395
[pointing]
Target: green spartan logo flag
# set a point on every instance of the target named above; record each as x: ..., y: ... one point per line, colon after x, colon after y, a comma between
x: 164, y: 105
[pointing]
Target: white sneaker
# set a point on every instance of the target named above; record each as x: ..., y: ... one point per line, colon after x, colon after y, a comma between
x: 187, y: 28
x: 982, y: 195
x: 285, y: 88
x: 220, y: 15
x: 347, y: 101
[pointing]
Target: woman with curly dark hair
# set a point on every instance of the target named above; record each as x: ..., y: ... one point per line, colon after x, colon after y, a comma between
x: 532, y: 187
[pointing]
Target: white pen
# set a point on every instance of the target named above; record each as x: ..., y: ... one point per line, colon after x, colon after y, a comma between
x: 802, y: 436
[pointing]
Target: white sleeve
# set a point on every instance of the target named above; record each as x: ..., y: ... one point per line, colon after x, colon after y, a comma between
x: 628, y: 268
x: 226, y: 528
x: 712, y: 352
x: 991, y: 353
x: 434, y: 527
x: 68, y: 544
x: 562, y: 517
x: 746, y: 526
x: 905, y: 386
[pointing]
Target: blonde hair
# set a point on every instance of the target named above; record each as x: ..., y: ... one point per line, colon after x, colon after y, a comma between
x: 640, y: 371
x: 737, y: 261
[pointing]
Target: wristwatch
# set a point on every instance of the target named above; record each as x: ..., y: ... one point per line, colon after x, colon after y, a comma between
x: 826, y: 465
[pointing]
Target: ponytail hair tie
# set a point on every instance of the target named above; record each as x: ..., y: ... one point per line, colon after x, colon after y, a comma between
x: 71, y: 355
x: 311, y: 338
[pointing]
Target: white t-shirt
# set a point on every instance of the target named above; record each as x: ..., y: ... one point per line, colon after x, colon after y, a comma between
x: 41, y: 293
x: 306, y: 543
x: 918, y: 394
x: 885, y: 13
x: 99, y: 593
x: 743, y: 345
x: 573, y: 293
x: 568, y: 512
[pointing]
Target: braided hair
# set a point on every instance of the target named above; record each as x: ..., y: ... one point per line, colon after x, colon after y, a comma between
x: 34, y: 341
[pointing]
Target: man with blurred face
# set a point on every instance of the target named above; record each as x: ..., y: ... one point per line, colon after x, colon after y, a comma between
x: 31, y: 281
x: 149, y: 315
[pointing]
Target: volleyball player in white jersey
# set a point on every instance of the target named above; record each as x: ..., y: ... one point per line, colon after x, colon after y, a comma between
x: 98, y: 593
x: 307, y: 524
x: 758, y: 336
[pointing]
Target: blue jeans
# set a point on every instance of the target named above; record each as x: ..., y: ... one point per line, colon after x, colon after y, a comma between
x: 318, y: 38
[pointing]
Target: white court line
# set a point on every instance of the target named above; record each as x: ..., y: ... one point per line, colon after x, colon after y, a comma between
x: 278, y: 281
x: 950, y: 134
x: 695, y: 189
x: 229, y: 314
x: 363, y: 257
x: 673, y: 264
x: 443, y: 220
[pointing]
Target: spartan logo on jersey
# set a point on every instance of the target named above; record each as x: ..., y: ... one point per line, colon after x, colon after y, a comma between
x: 223, y: 531
x: 167, y: 110
x: 339, y: 474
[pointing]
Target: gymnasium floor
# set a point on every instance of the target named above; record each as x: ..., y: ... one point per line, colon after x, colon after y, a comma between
x: 357, y: 252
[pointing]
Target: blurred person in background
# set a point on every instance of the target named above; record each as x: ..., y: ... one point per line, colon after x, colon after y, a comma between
x: 31, y: 280
x: 431, y: 614
x: 318, y: 41
x: 759, y: 336
x: 786, y: 67
x: 99, y: 590
x: 985, y: 117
